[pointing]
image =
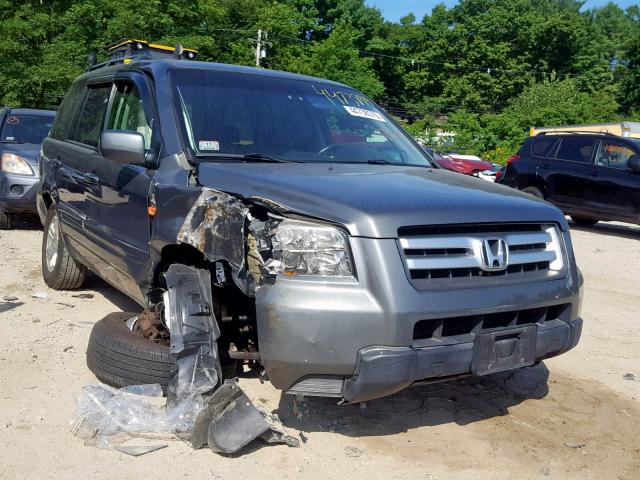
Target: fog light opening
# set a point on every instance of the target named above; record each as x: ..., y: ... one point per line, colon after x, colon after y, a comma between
x: 16, y: 190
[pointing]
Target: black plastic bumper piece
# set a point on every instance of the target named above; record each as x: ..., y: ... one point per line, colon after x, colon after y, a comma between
x: 382, y: 371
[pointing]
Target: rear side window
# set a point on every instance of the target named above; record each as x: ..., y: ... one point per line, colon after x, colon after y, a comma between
x: 65, y: 112
x: 543, y: 146
x: 88, y: 122
x: 576, y: 149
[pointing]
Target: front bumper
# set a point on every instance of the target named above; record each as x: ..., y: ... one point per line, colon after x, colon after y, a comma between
x: 25, y: 201
x: 383, y: 371
x: 314, y: 334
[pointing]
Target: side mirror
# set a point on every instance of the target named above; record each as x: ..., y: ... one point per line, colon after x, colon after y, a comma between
x: 123, y: 147
x: 634, y: 163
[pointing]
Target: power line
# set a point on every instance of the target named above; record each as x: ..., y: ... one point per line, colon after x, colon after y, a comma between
x: 416, y: 61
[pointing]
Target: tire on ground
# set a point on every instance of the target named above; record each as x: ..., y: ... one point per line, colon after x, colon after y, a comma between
x: 119, y: 357
x: 66, y: 274
x: 6, y: 220
x: 583, y: 221
x: 533, y: 191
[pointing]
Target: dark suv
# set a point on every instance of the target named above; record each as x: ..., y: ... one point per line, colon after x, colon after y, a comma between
x: 300, y: 228
x: 589, y: 176
x: 21, y: 133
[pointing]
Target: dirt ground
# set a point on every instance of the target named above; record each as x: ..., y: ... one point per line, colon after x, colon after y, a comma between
x: 574, y: 417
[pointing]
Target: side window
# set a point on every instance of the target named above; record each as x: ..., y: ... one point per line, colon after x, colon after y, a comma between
x: 65, y: 112
x: 127, y: 112
x: 576, y: 149
x: 613, y: 154
x: 543, y: 146
x: 88, y: 121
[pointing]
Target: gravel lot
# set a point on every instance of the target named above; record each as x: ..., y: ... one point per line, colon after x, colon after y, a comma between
x: 576, y: 416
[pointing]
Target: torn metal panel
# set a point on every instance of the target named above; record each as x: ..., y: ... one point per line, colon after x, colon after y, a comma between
x: 215, y: 225
x: 194, y: 332
x: 229, y: 421
x: 223, y: 228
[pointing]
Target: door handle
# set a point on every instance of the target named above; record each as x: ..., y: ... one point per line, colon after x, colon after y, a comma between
x: 594, y: 174
x: 55, y: 162
x: 90, y: 179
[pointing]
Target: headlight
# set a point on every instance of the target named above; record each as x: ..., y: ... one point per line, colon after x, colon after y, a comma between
x: 300, y: 248
x: 12, y: 163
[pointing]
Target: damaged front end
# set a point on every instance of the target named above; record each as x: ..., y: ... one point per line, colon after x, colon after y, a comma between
x: 259, y: 244
x: 225, y: 413
x: 200, y: 408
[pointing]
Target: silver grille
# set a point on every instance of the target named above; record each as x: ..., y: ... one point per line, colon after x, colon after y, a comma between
x: 442, y: 255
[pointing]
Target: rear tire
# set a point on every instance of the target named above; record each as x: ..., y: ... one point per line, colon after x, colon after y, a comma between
x: 119, y: 357
x: 534, y: 191
x: 6, y: 221
x: 59, y: 269
x: 584, y: 221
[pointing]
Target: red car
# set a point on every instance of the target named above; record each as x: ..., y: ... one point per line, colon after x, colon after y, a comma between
x: 467, y: 164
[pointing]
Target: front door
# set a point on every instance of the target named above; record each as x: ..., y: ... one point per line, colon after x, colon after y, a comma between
x: 613, y: 189
x: 120, y: 205
x: 566, y: 177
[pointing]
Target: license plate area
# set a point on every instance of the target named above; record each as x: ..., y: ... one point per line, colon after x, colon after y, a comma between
x: 506, y: 349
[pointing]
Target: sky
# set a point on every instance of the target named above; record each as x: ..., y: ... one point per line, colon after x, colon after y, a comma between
x: 395, y: 9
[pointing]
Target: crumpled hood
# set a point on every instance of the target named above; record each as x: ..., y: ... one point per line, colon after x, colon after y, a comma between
x: 30, y: 151
x: 376, y: 200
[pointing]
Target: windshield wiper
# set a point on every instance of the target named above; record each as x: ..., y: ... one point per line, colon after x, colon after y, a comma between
x: 261, y: 157
x: 12, y: 141
x: 250, y: 157
x: 381, y: 162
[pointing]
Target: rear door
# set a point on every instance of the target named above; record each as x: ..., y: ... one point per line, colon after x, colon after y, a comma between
x: 74, y: 161
x: 566, y: 175
x: 613, y: 190
x: 119, y: 204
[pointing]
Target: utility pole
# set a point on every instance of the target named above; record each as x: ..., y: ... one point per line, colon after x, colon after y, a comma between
x: 259, y: 48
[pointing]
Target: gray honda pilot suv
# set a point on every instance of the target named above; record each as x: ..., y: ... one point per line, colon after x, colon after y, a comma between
x: 339, y: 261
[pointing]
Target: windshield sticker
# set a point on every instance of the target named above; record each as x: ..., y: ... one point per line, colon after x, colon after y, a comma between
x: 209, y: 145
x: 13, y: 120
x: 361, y: 112
x: 342, y: 98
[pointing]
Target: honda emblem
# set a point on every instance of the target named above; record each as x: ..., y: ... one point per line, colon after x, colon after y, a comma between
x: 495, y: 254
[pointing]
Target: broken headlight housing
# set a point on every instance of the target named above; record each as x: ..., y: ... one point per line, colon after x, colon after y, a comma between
x: 310, y: 249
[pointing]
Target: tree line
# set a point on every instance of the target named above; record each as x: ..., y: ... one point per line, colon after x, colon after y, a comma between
x: 486, y: 69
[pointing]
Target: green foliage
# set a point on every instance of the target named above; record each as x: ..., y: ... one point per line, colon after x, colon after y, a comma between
x: 486, y: 69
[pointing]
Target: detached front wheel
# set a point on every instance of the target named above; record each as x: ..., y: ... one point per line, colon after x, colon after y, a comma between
x: 59, y: 269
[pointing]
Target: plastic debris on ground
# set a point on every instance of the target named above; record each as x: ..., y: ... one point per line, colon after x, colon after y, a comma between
x: 195, y: 411
x: 111, y: 418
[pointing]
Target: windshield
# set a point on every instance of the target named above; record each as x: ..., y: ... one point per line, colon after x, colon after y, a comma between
x: 25, y: 128
x: 234, y: 114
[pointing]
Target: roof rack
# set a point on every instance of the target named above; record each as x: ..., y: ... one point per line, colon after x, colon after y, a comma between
x: 573, y: 132
x: 129, y: 50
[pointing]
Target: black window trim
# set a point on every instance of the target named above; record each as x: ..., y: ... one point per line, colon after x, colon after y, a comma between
x: 93, y: 83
